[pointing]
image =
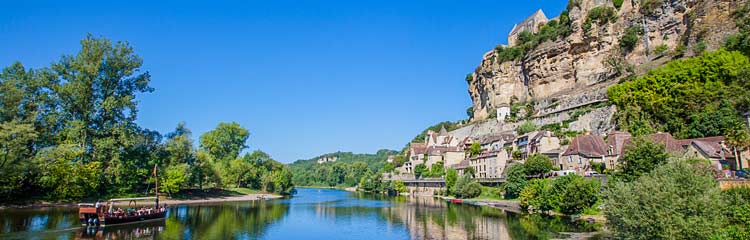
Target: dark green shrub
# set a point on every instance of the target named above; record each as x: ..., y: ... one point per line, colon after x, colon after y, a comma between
x: 630, y: 39
x: 526, y: 127
x: 472, y: 190
x: 650, y: 7
x: 700, y: 47
x: 600, y: 15
x: 618, y: 3
x: 661, y: 49
x: 515, y: 181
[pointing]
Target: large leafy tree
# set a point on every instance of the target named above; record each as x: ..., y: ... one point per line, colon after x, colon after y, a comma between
x: 679, y: 200
x: 515, y: 181
x: 179, y: 146
x: 26, y: 125
x: 97, y: 100
x: 451, y: 175
x: 225, y: 142
x: 538, y: 165
x: 640, y: 157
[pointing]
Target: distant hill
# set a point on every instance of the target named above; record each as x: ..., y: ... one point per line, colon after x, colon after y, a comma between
x: 345, y: 171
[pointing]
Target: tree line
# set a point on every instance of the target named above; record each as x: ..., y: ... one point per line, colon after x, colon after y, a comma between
x: 347, y: 171
x: 68, y: 131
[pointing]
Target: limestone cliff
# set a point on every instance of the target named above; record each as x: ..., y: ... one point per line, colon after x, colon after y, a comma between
x: 574, y: 70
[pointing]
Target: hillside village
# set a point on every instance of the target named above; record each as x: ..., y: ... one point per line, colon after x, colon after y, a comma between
x: 562, y: 95
x: 579, y: 156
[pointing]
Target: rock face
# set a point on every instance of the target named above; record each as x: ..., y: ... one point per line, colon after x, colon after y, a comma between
x: 567, y: 69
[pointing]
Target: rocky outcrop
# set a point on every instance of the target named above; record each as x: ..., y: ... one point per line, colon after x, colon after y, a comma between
x: 589, y: 61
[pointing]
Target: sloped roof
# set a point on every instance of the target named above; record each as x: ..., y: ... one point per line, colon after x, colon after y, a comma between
x: 711, y: 146
x: 439, y: 150
x: 529, y: 18
x: 617, y: 140
x: 487, y: 154
x: 461, y: 165
x: 587, y: 145
x: 490, y: 138
x: 686, y: 142
x: 669, y: 142
x: 418, y: 148
x: 443, y: 132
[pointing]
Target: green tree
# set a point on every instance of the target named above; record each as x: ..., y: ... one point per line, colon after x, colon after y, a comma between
x: 475, y: 149
x: 175, y: 178
x: 437, y: 169
x: 419, y: 170
x: 14, y: 152
x: 470, y: 112
x: 737, y: 211
x: 678, y: 200
x: 538, y: 165
x: 466, y: 187
x: 578, y: 194
x: 641, y: 157
x: 526, y: 127
x: 451, y: 176
x: 203, y: 171
x: 97, y: 102
x: 399, y: 186
x: 536, y: 195
x: 515, y: 180
x: 225, y: 142
x: 64, y: 176
x: 179, y: 146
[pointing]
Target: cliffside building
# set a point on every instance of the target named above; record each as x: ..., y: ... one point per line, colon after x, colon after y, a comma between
x: 437, y: 147
x: 531, y: 24
x: 325, y: 159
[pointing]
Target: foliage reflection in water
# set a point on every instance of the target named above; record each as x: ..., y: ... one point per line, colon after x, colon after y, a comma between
x: 312, y: 214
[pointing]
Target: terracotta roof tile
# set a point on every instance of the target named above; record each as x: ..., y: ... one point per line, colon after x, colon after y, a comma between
x: 617, y: 140
x: 587, y: 145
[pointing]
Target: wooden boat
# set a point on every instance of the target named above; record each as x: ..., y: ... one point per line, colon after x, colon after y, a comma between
x: 456, y: 200
x: 105, y: 214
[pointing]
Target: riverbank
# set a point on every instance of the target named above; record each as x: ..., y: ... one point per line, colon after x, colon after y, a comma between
x: 185, y: 199
x: 515, y: 207
x: 348, y: 189
x: 507, y: 205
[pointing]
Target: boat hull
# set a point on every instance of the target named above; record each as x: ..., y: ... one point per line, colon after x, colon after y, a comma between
x: 115, y: 220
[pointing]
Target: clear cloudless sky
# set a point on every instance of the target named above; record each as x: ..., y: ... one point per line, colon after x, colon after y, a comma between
x: 305, y: 77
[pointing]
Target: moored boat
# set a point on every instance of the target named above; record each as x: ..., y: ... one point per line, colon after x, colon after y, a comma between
x: 105, y: 214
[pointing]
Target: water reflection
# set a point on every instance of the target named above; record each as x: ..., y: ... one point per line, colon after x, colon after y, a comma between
x: 146, y: 230
x: 428, y: 218
x: 312, y: 214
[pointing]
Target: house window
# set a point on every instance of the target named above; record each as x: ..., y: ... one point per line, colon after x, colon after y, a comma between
x: 579, y: 160
x: 570, y: 159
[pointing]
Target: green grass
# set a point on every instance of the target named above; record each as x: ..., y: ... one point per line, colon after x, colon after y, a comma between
x: 214, y: 192
x: 593, y: 210
x: 489, y: 193
x: 245, y: 191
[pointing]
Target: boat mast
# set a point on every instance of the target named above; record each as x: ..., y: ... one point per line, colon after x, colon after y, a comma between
x: 156, y: 192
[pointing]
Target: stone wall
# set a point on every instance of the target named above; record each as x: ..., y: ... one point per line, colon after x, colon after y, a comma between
x: 733, y: 183
x: 598, y: 121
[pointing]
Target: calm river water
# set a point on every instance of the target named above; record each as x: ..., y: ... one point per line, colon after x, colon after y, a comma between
x: 311, y: 214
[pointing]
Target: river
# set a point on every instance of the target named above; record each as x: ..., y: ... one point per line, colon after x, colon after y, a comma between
x: 311, y: 214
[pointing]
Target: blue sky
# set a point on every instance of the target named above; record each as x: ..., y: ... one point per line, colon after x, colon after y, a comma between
x: 305, y: 77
